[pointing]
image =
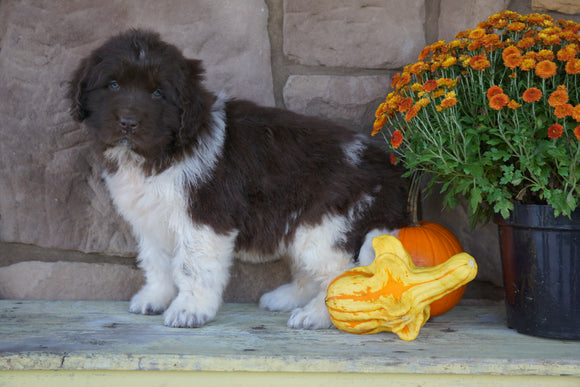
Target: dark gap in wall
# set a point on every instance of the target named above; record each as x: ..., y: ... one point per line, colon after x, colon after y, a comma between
x: 431, y: 25
x: 276, y: 36
x: 11, y: 253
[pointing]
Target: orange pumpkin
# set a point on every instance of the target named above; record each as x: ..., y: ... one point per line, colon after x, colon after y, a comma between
x: 431, y: 244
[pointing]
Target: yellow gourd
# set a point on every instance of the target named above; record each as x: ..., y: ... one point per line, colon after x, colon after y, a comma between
x: 392, y: 294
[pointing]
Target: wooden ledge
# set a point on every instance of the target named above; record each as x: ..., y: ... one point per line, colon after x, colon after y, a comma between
x: 103, y: 336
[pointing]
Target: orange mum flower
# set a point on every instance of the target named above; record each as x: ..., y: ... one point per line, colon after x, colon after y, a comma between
x: 513, y: 104
x: 438, y: 93
x: 528, y: 64
x: 463, y: 34
x: 569, y: 34
x: 494, y: 90
x: 564, y: 110
x: 513, y: 60
x: 416, y: 68
x: 393, y: 100
x: 567, y: 53
x: 393, y: 158
x: 533, y: 94
x: 417, y: 87
x: 396, y: 139
x: 558, y: 97
x: 381, y: 109
x: 498, y: 101
x: 577, y: 132
x: 573, y: 66
x: 395, y: 79
x: 456, y: 43
x: 412, y: 112
x: 509, y: 51
x: 489, y: 40
x: 479, y: 62
x: 378, y: 125
x: 423, y: 102
x: 576, y: 113
x: 526, y: 43
x: 516, y: 26
x: 475, y: 45
x: 555, y: 131
x: 450, y: 61
x: 551, y: 40
x: 448, y: 102
x: 566, y: 24
x: 430, y: 85
x: 531, y: 55
x: 497, y: 21
x: 545, y: 55
x: 535, y: 18
x: 447, y: 82
x: 477, y: 33
x: 424, y: 53
x: 403, y: 80
x: 546, y: 69
x: 435, y: 66
x: 405, y: 104
x: 439, y: 45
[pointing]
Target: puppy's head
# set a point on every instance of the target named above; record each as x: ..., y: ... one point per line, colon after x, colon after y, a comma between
x: 138, y: 92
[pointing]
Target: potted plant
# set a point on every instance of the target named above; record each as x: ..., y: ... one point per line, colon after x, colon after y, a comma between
x: 494, y: 117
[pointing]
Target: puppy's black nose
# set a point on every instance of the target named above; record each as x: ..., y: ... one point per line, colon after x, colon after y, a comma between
x: 128, y: 125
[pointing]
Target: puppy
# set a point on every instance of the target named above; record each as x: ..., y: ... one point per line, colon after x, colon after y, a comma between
x: 202, y: 179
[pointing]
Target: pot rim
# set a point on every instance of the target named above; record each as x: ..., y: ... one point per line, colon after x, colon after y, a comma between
x: 539, y: 216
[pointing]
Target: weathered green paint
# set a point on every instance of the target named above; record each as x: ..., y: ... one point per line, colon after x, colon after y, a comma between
x: 83, y: 338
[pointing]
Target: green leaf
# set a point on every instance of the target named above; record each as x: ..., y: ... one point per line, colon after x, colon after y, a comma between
x: 475, y: 198
x: 475, y: 170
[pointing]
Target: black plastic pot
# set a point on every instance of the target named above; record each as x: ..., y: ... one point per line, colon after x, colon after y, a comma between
x: 541, y: 268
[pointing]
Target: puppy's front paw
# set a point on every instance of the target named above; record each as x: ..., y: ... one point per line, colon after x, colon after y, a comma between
x: 184, y: 312
x: 149, y: 301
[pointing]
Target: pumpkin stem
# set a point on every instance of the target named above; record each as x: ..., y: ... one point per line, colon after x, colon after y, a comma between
x: 413, y: 198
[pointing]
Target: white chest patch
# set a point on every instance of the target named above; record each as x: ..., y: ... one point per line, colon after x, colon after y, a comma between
x: 156, y: 205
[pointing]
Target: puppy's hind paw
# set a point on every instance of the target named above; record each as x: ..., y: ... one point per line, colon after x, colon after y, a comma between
x: 303, y: 318
x: 146, y: 308
x: 279, y: 299
x: 146, y: 302
x: 288, y: 297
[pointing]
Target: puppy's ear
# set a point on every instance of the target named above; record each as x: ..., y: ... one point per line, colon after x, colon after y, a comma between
x: 194, y: 70
x: 194, y: 100
x: 77, y: 89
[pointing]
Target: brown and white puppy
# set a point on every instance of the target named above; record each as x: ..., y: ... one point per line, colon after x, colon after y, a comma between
x: 202, y: 179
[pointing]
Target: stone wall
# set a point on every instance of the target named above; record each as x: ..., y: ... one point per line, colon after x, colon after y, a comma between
x: 59, y: 235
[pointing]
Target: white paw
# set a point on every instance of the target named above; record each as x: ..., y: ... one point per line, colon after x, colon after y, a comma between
x: 304, y: 319
x: 313, y: 316
x: 151, y: 300
x: 288, y: 297
x: 185, y: 312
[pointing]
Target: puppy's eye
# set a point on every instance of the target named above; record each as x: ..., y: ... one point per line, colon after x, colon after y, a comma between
x: 157, y: 93
x: 114, y: 85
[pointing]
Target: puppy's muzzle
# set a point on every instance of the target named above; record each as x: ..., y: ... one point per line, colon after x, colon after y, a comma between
x: 128, y: 125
